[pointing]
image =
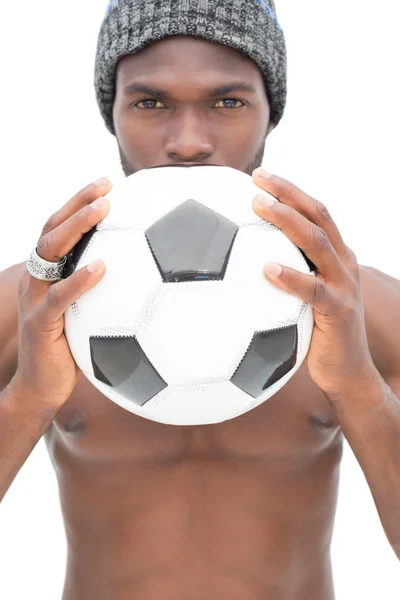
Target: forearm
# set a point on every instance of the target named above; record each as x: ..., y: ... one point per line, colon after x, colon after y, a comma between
x: 22, y: 424
x: 370, y: 420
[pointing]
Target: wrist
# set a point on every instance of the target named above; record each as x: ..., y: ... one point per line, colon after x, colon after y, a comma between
x: 369, y: 386
x: 18, y: 396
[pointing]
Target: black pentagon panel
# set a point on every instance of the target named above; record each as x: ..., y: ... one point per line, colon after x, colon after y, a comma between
x: 191, y: 243
x: 121, y: 363
x: 311, y: 265
x: 76, y: 253
x: 270, y: 356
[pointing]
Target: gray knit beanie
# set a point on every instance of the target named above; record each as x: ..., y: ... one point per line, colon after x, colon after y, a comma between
x: 250, y: 26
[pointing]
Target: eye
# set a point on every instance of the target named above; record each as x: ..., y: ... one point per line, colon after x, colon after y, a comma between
x: 231, y: 100
x: 224, y: 101
x: 146, y: 101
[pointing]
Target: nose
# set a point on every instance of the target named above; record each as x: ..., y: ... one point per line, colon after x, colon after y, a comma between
x: 188, y: 139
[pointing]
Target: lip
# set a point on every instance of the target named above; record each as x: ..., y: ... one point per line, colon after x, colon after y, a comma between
x: 185, y: 165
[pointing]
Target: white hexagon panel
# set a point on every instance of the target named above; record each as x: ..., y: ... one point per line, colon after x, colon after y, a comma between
x: 184, y: 328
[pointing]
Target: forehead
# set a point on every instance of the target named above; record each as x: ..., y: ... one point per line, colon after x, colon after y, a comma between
x: 188, y: 55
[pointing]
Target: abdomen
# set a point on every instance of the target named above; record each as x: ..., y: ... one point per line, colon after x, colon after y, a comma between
x: 223, y: 528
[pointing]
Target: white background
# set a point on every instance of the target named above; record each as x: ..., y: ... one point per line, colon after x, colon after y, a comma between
x: 338, y: 140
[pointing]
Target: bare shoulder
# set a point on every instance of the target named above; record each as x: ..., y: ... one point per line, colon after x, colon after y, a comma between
x: 381, y: 297
x: 9, y: 279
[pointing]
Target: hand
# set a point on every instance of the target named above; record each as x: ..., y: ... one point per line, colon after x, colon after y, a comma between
x: 46, y: 372
x: 339, y: 355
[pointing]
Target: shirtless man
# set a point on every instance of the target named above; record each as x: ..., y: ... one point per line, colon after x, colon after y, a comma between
x: 237, y: 510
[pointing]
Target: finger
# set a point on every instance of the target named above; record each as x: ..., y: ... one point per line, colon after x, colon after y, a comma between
x: 63, y: 293
x: 57, y: 243
x: 308, y: 288
x: 86, y: 196
x: 307, y: 236
x: 312, y: 209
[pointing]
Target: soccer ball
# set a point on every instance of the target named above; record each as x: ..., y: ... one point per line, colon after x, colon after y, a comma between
x: 184, y: 328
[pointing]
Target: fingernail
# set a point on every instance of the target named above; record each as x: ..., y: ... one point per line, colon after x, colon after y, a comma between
x: 97, y: 203
x: 263, y: 174
x: 264, y: 201
x: 95, y: 266
x: 273, y: 270
x: 102, y: 181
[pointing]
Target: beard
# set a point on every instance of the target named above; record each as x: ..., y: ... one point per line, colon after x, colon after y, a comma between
x: 128, y: 169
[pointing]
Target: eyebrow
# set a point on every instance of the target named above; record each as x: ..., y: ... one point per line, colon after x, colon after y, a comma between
x: 209, y: 92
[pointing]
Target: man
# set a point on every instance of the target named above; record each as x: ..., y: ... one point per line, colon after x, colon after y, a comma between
x: 243, y: 508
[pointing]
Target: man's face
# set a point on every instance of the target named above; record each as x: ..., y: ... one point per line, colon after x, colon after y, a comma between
x: 187, y: 120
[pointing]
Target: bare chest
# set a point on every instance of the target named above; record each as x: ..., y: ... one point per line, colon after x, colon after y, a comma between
x: 293, y: 425
x: 133, y: 488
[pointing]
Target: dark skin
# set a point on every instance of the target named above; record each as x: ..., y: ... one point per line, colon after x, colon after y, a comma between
x: 191, y: 126
x: 240, y: 509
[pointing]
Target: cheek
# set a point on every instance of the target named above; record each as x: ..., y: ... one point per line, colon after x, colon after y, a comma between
x: 249, y: 140
x: 252, y: 131
x: 118, y: 126
x: 125, y: 129
x: 123, y: 119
